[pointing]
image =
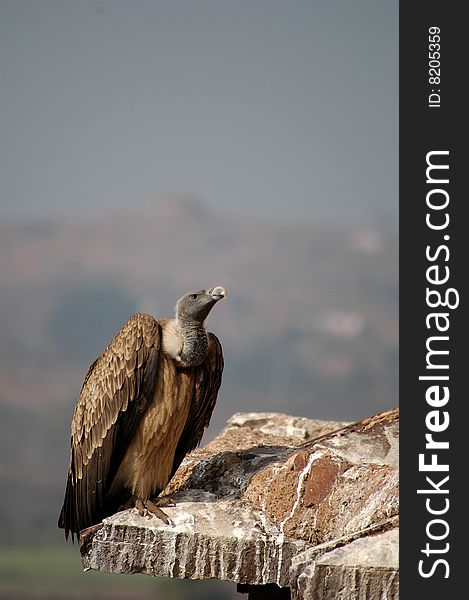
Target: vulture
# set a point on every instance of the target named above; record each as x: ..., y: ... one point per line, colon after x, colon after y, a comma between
x: 144, y: 404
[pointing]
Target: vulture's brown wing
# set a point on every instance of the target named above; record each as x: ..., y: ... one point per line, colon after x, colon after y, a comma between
x: 207, y: 383
x: 116, y: 392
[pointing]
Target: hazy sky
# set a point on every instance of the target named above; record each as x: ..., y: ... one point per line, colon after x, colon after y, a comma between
x: 280, y: 107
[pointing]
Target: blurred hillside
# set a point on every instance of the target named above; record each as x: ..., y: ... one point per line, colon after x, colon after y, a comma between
x: 310, y: 326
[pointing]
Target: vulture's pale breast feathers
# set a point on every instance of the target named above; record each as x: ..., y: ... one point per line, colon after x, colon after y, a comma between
x: 172, y: 341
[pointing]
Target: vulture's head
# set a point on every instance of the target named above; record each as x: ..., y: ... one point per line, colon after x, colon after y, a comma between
x: 195, y: 306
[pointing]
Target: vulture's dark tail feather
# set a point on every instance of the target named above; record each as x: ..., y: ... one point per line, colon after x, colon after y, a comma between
x: 68, y: 514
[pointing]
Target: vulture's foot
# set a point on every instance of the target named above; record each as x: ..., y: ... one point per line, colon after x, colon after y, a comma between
x: 145, y: 507
x: 164, y: 501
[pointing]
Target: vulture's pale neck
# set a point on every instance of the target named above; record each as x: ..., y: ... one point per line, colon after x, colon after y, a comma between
x: 195, y: 342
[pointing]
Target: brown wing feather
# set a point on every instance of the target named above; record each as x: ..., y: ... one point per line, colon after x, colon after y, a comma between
x: 207, y: 383
x: 116, y: 392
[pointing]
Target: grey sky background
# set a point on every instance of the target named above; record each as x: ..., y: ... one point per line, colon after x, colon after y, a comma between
x: 281, y: 108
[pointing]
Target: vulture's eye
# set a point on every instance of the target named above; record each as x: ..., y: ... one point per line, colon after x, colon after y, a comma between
x: 193, y: 296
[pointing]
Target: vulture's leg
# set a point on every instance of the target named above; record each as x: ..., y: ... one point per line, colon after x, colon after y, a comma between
x: 147, y: 506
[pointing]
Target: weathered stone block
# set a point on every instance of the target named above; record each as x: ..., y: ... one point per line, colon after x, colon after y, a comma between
x: 309, y: 505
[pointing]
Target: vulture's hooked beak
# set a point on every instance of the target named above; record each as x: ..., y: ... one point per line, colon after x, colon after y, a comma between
x: 217, y: 293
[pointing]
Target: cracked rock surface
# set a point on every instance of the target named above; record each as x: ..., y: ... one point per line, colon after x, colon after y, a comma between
x: 306, y: 504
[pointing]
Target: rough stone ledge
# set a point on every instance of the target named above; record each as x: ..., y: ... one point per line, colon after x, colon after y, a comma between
x: 365, y: 568
x: 306, y: 504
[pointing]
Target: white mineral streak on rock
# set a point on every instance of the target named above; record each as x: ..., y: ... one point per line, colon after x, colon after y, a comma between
x: 258, y: 561
x: 265, y: 558
x: 281, y: 536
